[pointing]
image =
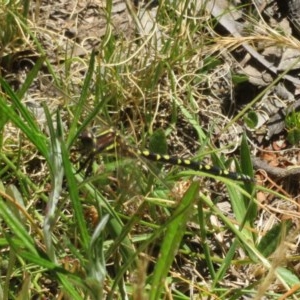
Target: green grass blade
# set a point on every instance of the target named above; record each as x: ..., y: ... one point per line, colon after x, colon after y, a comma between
x: 31, y: 76
x: 82, y: 100
x: 171, y: 241
x: 68, y: 280
x: 19, y: 230
x: 24, y: 121
x: 18, y: 105
x: 97, y: 268
x: 57, y: 173
x: 74, y: 197
x: 247, y: 168
x: 203, y: 235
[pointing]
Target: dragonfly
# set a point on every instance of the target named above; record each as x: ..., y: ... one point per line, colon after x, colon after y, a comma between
x: 110, y: 139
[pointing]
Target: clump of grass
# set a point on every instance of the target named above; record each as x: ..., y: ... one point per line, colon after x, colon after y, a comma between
x: 68, y: 235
